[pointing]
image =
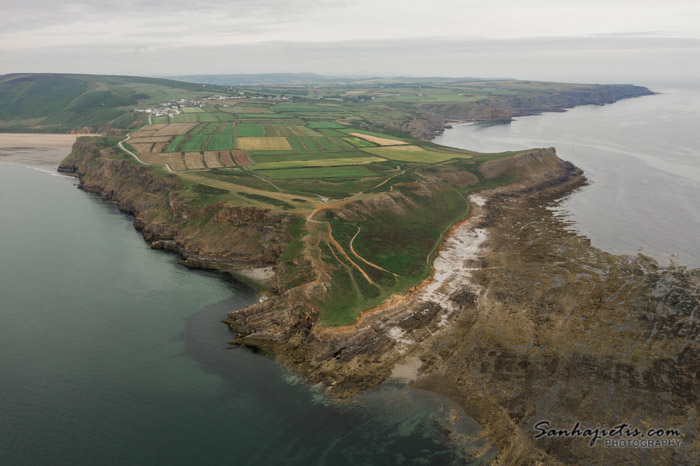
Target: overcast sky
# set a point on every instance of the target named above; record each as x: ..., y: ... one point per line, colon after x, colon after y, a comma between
x: 592, y: 41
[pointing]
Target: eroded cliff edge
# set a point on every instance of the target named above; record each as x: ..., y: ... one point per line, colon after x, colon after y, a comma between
x: 530, y: 323
x: 181, y: 217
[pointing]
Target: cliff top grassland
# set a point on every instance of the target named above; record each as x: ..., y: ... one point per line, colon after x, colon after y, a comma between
x: 366, y: 200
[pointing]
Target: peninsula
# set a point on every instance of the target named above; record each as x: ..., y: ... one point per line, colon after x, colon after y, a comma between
x: 379, y: 254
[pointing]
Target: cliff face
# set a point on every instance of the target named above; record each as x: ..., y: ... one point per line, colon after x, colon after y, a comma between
x: 216, y: 236
x: 429, y: 120
x: 523, y: 321
x: 352, y: 358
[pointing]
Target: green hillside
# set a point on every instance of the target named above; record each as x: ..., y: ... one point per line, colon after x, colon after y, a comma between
x: 61, y: 102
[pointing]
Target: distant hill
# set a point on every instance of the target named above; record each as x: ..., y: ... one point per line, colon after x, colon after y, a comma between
x: 312, y: 79
x: 62, y: 102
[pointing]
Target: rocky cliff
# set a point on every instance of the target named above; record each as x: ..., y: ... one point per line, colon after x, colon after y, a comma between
x: 207, y: 235
x: 429, y: 120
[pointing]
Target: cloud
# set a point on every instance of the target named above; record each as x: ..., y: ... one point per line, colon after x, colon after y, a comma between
x: 582, y: 59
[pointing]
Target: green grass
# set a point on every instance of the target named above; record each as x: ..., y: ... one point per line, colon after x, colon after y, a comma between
x: 262, y: 116
x: 269, y: 156
x: 325, y: 125
x: 358, y: 142
x: 315, y: 163
x: 407, y: 155
x: 297, y: 231
x: 175, y: 143
x: 192, y: 110
x: 195, y: 143
x: 220, y: 141
x: 267, y: 200
x: 250, y: 131
x: 319, y: 172
x: 209, y: 128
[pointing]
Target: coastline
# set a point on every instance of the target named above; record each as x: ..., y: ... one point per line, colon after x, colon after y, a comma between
x: 435, y: 331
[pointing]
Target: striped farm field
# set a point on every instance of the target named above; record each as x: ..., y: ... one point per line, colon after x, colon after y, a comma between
x: 324, y: 125
x: 202, y: 117
x: 175, y: 129
x: 142, y: 133
x: 316, y: 163
x: 159, y: 147
x: 154, y: 127
x: 175, y: 144
x: 289, y: 131
x: 238, y: 109
x: 211, y: 159
x: 264, y: 116
x: 141, y: 148
x: 195, y: 143
x: 247, y: 143
x: 210, y: 128
x: 173, y: 160
x: 378, y: 140
x: 357, y: 142
x: 319, y: 172
x: 220, y: 141
x: 133, y: 140
x: 241, y: 158
x: 226, y: 160
x: 414, y: 154
x: 244, y: 131
x: 194, y: 161
x: 267, y: 156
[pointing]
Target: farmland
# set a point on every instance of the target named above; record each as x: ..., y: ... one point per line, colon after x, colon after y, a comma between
x: 374, y: 201
x: 271, y: 156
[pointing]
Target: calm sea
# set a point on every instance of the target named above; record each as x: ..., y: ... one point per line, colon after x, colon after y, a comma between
x: 113, y: 354
x: 641, y: 157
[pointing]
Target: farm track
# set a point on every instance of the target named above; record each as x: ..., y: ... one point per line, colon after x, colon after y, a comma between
x: 335, y: 243
x: 121, y: 146
x: 352, y: 249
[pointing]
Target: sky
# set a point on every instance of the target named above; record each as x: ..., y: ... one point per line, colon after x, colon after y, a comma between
x: 641, y: 41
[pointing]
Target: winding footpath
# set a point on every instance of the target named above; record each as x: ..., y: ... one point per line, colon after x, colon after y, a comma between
x: 121, y: 146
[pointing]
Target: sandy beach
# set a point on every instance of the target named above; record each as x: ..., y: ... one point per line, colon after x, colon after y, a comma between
x: 40, y: 150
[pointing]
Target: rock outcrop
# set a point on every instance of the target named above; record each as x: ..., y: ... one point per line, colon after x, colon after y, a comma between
x: 216, y: 236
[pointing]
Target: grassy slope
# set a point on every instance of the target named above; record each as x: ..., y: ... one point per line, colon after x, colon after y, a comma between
x: 400, y: 241
x: 61, y: 102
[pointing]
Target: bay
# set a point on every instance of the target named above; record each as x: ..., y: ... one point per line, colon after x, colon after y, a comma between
x: 111, y: 353
x: 642, y: 160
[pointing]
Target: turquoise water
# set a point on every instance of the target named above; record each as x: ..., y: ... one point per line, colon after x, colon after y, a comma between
x: 113, y: 354
x: 641, y: 157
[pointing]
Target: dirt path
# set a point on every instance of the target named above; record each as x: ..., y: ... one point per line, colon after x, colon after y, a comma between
x: 121, y: 146
x: 365, y: 260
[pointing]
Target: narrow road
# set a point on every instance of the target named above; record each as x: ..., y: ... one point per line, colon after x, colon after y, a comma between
x: 121, y: 146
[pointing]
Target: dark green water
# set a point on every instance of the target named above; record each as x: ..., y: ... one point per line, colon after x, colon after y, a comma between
x: 111, y: 353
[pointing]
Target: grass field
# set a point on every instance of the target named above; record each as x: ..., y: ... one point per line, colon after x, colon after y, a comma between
x: 319, y: 172
x: 175, y: 129
x: 316, y: 163
x: 256, y: 110
x: 378, y: 140
x: 244, y: 131
x: 220, y: 141
x: 194, y: 161
x: 412, y: 153
x: 325, y: 125
x: 268, y: 156
x: 274, y: 143
x: 173, y: 147
x: 194, y: 143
